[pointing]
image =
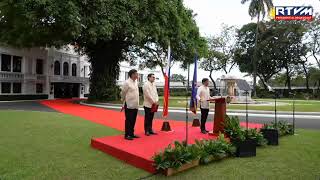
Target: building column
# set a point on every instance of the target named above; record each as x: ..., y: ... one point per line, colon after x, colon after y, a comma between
x: 50, y: 73
x: 81, y: 91
x: 70, y: 67
x: 61, y: 66
x: 11, y: 70
x: 51, y: 91
x: 23, y: 61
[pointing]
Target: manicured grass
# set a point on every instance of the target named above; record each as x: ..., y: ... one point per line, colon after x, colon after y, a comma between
x: 297, y: 157
x: 39, y: 145
x: 283, y: 104
x: 300, y: 105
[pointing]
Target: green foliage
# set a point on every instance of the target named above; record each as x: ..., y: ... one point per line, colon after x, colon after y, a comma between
x: 233, y: 129
x: 313, y: 37
x: 266, y: 64
x: 220, y: 53
x: 283, y: 127
x: 258, y: 7
x: 257, y: 136
x: 178, y: 78
x: 205, y: 150
x: 23, y: 97
x: 268, y: 126
x: 175, y: 157
x: 279, y: 48
x: 213, y: 150
x: 107, y: 31
x: 264, y: 93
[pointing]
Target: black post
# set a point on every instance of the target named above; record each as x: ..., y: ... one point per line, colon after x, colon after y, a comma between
x: 293, y: 115
x: 187, y: 115
x: 247, y: 121
x: 275, y: 109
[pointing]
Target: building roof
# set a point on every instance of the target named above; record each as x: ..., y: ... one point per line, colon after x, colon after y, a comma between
x: 243, y: 85
x: 223, y: 77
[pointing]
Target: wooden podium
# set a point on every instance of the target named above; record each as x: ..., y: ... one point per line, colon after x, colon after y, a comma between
x: 219, y: 115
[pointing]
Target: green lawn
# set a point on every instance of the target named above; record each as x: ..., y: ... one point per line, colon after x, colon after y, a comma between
x: 301, y: 105
x: 40, y: 145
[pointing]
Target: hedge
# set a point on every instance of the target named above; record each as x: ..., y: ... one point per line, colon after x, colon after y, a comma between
x: 23, y: 97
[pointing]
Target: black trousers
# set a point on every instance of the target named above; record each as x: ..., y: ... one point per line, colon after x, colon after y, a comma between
x: 204, y: 116
x: 131, y: 116
x: 148, y: 118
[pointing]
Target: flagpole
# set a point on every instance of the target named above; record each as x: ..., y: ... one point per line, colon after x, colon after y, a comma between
x: 187, y: 95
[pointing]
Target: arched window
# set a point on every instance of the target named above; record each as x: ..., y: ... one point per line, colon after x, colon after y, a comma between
x: 74, y: 69
x: 56, y: 68
x: 65, y: 69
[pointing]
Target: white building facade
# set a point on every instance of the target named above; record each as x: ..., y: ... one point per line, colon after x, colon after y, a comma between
x: 42, y: 73
x: 49, y: 73
x: 143, y: 74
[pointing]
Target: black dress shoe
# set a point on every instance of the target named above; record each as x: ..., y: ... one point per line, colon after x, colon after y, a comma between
x: 128, y: 138
x: 153, y: 133
x: 135, y: 136
x: 204, y: 132
x: 147, y: 134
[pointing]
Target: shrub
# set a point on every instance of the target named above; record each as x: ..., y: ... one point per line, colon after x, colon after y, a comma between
x: 257, y: 136
x: 233, y: 129
x: 205, y: 150
x: 175, y: 157
x: 283, y: 127
x: 212, y: 150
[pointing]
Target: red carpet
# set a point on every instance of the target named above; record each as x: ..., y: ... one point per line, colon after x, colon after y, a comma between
x: 109, y: 118
x: 140, y: 151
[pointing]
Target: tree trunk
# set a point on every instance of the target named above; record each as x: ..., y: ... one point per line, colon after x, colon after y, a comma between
x: 263, y: 82
x: 307, y: 75
x: 255, y: 59
x: 288, y: 81
x: 104, y: 58
x: 316, y: 58
x: 214, y: 83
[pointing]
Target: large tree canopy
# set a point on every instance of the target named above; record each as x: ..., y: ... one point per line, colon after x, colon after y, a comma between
x: 279, y: 47
x: 108, y: 31
x: 220, y: 52
x: 258, y: 9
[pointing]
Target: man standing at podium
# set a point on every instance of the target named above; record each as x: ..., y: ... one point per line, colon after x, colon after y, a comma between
x: 203, y: 95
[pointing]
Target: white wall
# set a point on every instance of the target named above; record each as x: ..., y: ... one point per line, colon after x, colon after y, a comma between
x: 125, y: 67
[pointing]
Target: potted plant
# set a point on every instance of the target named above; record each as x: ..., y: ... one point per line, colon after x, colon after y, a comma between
x: 284, y: 128
x: 215, y: 150
x: 245, y: 146
x: 176, y: 159
x: 257, y: 136
x: 270, y: 133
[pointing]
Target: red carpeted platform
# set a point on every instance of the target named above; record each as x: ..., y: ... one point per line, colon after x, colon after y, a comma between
x: 138, y: 152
